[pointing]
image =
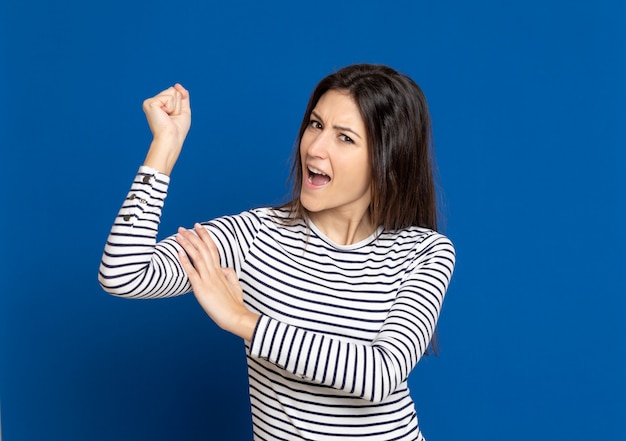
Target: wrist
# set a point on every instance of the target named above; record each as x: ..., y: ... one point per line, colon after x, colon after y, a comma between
x: 246, y: 324
x: 163, y: 154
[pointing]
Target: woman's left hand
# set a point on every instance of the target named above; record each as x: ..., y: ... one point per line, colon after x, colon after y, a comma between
x: 217, y: 289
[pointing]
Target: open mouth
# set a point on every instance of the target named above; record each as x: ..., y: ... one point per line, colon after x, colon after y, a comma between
x: 317, y: 177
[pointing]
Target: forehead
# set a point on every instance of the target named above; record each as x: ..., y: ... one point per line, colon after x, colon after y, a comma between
x: 338, y: 104
x: 338, y: 108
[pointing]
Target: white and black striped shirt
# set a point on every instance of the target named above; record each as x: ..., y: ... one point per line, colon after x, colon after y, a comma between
x: 341, y: 327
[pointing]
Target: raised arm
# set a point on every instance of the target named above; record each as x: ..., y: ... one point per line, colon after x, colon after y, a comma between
x: 133, y: 264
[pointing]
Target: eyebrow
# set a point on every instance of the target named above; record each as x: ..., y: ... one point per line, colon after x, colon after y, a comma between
x: 344, y: 129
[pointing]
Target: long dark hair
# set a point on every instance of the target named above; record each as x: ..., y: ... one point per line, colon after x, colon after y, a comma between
x: 396, y: 117
x: 394, y: 110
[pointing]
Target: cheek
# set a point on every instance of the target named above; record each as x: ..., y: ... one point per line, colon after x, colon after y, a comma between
x: 301, y: 153
x: 305, y: 140
x: 364, y: 169
x: 359, y: 172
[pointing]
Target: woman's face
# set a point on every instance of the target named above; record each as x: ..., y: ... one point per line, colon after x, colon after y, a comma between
x: 336, y: 177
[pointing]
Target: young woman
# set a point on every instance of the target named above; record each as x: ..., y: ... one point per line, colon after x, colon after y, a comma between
x: 336, y: 294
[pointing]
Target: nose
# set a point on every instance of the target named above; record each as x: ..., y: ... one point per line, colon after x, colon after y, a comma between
x: 318, y: 144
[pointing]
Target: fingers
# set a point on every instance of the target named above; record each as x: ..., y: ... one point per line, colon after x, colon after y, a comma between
x: 199, y: 247
x: 203, y: 234
x: 177, y: 100
x: 184, y: 93
x: 169, y: 101
x: 188, y: 267
x: 185, y: 105
x: 217, y: 289
x: 172, y: 101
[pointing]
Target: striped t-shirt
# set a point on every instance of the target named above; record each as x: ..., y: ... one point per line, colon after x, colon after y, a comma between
x: 341, y: 326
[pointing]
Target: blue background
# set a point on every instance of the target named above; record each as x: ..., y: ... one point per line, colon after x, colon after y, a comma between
x: 528, y: 101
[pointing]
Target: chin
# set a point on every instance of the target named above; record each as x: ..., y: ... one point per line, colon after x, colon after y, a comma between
x: 310, y: 206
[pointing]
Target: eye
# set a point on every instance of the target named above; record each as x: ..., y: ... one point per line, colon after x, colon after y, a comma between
x: 315, y: 124
x: 346, y: 139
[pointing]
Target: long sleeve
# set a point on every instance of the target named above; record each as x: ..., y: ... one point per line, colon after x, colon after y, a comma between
x: 133, y: 263
x: 371, y: 371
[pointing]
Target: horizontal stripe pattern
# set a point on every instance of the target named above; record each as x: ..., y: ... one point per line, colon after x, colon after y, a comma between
x: 341, y: 327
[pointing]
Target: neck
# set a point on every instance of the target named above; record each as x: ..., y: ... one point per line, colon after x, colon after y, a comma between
x: 343, y: 230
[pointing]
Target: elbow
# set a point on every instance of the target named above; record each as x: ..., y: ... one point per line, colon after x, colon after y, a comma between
x: 117, y: 291
x: 113, y: 285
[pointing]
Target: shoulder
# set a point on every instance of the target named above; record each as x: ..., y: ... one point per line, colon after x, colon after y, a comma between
x: 416, y: 235
x: 420, y: 242
x: 252, y: 220
x: 270, y: 217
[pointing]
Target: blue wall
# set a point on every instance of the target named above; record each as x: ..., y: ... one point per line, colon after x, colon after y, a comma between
x: 529, y: 106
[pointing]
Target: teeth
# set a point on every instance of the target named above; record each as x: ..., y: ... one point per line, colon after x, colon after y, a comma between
x: 316, y: 171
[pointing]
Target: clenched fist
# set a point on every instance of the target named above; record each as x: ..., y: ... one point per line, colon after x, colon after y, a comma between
x: 169, y: 118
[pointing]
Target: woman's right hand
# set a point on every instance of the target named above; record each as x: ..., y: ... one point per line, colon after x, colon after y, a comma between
x: 169, y: 118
